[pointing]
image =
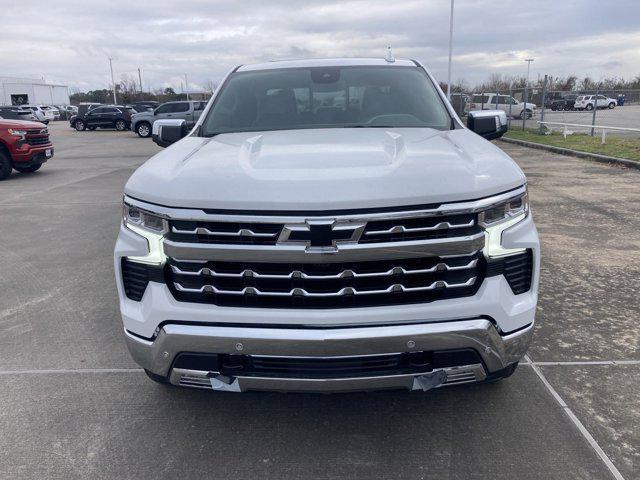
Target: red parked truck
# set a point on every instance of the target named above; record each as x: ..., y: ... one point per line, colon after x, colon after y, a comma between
x: 24, y: 146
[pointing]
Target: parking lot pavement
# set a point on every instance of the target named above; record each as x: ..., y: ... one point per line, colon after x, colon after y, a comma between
x: 627, y: 116
x: 76, y: 406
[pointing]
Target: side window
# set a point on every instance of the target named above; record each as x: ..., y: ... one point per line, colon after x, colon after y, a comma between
x: 97, y: 110
x: 179, y: 107
x: 601, y: 97
x: 164, y: 108
x: 198, y: 106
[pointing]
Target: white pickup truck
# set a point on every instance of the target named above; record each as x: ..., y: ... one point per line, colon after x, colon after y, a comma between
x: 506, y: 103
x: 328, y: 225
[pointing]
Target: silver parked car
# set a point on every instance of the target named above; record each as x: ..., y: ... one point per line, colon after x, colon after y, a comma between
x: 189, y: 111
x: 328, y: 225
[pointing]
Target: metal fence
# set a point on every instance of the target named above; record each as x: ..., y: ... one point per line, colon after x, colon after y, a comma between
x: 558, y: 107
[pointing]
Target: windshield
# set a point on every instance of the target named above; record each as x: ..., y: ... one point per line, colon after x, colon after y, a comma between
x: 327, y: 97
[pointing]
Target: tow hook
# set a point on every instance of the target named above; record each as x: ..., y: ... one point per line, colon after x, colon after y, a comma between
x: 223, y: 383
x: 429, y: 380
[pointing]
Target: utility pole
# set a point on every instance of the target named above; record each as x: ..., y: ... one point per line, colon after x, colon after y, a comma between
x: 186, y: 86
x: 140, y: 79
x: 450, y: 52
x: 113, y: 83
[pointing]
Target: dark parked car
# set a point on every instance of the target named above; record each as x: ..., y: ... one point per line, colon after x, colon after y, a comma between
x: 145, y: 105
x: 16, y: 113
x: 104, y: 116
x: 565, y: 103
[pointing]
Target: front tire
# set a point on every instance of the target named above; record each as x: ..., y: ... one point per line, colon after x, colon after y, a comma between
x: 612, y: 106
x: 5, y: 166
x: 29, y: 169
x: 121, y: 125
x: 80, y: 125
x: 526, y: 113
x: 143, y: 129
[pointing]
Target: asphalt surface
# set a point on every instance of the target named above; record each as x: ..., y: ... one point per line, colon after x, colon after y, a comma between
x: 75, y: 406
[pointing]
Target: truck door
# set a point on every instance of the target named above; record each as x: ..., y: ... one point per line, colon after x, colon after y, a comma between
x: 163, y: 111
x: 182, y: 111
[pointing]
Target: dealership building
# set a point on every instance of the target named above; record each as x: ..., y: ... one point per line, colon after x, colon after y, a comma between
x: 19, y: 91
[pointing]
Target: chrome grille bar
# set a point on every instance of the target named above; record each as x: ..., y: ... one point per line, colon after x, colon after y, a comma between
x: 301, y: 292
x: 243, y: 232
x: 437, y: 226
x: 248, y: 273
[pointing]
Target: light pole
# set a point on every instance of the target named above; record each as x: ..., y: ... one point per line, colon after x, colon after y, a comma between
x: 526, y: 86
x: 186, y: 86
x: 450, y: 52
x: 113, y: 83
x: 528, y: 60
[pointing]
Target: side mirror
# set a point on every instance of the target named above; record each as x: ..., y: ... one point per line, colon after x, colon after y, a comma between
x: 489, y: 124
x: 166, y: 132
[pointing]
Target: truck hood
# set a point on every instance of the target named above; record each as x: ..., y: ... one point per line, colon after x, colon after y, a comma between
x: 325, y: 169
x: 141, y: 115
x: 4, y: 123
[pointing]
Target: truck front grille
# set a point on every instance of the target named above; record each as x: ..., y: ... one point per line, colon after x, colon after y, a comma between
x: 420, y: 228
x: 238, y: 233
x: 399, y: 229
x: 40, y: 140
x: 325, y: 285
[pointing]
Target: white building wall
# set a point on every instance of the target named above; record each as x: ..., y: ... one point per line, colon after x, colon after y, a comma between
x: 36, y: 91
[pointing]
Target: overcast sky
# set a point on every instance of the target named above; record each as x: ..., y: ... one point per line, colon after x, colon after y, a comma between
x: 68, y: 41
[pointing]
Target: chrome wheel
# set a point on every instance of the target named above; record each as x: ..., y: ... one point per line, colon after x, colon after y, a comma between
x: 144, y: 130
x: 120, y: 125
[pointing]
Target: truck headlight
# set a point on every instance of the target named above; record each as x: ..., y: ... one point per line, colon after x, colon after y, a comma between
x: 149, y: 225
x: 18, y: 133
x: 498, y: 218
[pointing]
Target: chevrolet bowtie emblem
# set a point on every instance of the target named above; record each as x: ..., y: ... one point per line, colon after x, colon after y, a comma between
x: 321, y: 235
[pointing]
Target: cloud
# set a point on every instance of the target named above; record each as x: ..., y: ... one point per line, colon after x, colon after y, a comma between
x: 204, y: 39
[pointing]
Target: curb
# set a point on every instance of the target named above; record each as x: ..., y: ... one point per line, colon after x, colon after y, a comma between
x: 596, y: 157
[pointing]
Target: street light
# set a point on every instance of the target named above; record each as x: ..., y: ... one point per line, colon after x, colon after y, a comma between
x: 526, y: 86
x: 528, y: 60
x: 450, y: 52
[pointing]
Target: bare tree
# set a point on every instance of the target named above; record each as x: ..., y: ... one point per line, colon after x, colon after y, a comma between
x: 211, y: 86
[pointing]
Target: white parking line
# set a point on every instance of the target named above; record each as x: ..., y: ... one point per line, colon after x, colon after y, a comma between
x: 585, y: 433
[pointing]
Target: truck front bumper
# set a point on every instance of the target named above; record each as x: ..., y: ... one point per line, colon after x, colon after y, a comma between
x: 32, y: 156
x: 496, y: 352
